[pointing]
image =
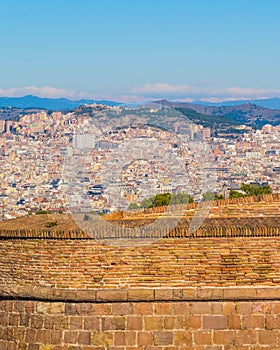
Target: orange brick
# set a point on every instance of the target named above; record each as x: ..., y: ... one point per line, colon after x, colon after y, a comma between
x: 182, y: 338
x: 111, y: 295
x: 130, y: 338
x: 113, y: 323
x: 75, y: 322
x: 92, y: 323
x: 234, y: 322
x: 143, y: 308
x: 134, y: 323
x: 124, y: 338
x: 141, y: 294
x: 120, y: 309
x: 276, y: 307
x: 201, y: 308
x: 102, y: 309
x: 224, y: 337
x: 243, y: 308
x: 261, y: 307
x: 163, y: 338
x: 163, y: 294
x: 174, y: 322
x: 84, y: 338
x: 181, y: 308
x: 56, y: 337
x: 268, y: 337
x: 193, y: 322
x: 163, y: 308
x: 102, y: 339
x: 70, y: 337
x: 244, y: 337
x: 253, y: 321
x: 228, y: 308
x: 273, y: 322
x: 215, y: 322
x: 216, y: 308
x: 145, y: 338
x: 202, y: 338
x: 153, y: 323
x: 119, y: 338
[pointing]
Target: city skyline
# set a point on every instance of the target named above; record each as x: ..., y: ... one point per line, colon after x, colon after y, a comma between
x: 129, y: 51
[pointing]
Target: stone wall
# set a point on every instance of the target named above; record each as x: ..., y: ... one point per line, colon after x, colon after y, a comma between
x: 200, y: 293
x: 216, y: 289
x: 85, y: 263
x: 150, y: 319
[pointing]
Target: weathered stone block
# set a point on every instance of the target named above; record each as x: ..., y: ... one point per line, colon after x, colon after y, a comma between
x: 202, y: 338
x: 200, y: 307
x: 182, y: 338
x: 70, y: 337
x: 112, y: 295
x: 145, y: 338
x: 246, y: 337
x: 223, y: 337
x: 143, y: 308
x: 163, y: 308
x: 163, y: 338
x: 174, y: 322
x: 134, y: 323
x: 113, y: 323
x: 153, y: 323
x: 84, y: 338
x: 215, y: 322
x: 102, y: 339
x: 141, y: 294
x: 181, y: 308
x: 92, y: 323
x: 120, y: 309
x: 268, y: 337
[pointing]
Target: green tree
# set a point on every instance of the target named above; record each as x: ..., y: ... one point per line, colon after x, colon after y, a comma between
x: 147, y: 203
x: 255, y: 189
x: 219, y: 196
x: 133, y: 206
x: 235, y: 194
x: 181, y: 198
x: 208, y: 196
x: 162, y: 199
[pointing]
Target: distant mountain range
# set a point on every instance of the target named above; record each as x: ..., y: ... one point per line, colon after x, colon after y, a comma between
x: 225, y: 115
x: 272, y: 103
x: 246, y: 113
x: 31, y: 101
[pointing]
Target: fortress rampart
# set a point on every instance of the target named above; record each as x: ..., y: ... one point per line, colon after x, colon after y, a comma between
x: 210, y: 291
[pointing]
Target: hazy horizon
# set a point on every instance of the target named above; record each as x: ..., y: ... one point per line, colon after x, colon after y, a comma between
x: 142, y: 50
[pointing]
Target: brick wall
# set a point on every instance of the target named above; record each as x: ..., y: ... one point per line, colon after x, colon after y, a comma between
x: 214, y: 293
x: 207, y: 318
x: 218, y: 289
x: 83, y: 264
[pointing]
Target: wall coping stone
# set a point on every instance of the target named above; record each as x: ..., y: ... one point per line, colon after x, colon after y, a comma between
x: 260, y: 292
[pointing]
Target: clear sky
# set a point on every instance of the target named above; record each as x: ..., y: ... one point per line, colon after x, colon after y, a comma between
x: 140, y: 49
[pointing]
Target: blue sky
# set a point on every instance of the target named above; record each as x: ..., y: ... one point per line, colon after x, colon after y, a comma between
x: 140, y: 49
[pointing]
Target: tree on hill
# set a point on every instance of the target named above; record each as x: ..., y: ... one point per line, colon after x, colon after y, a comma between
x: 235, y: 194
x: 133, y: 206
x: 181, y: 198
x: 210, y: 196
x: 250, y: 190
x: 255, y: 189
x: 163, y: 199
x: 147, y: 203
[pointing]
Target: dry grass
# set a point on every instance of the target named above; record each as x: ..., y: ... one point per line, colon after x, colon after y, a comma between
x: 40, y: 222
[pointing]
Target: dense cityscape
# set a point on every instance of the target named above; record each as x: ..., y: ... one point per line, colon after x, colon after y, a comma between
x: 56, y: 161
